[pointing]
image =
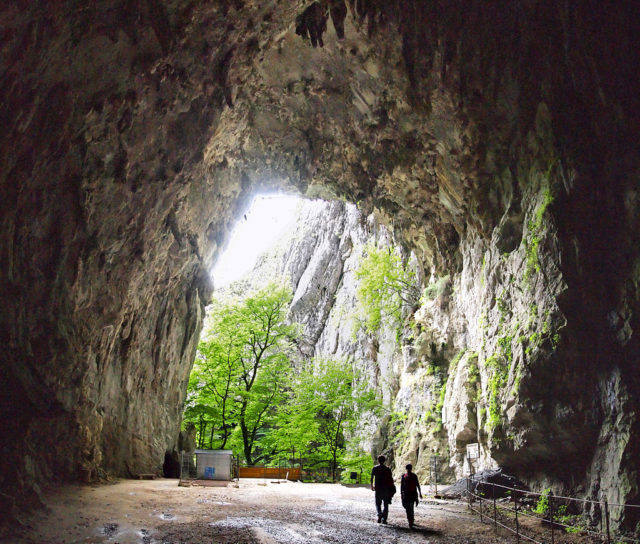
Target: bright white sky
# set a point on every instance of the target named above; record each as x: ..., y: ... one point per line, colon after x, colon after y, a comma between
x: 267, y: 219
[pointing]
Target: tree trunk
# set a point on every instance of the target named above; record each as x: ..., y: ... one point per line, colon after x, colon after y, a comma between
x: 225, y: 437
x: 201, y: 432
x: 246, y: 440
x: 335, y: 461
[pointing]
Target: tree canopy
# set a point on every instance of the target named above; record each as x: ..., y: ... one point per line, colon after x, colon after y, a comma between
x: 252, y: 392
x: 241, y: 370
x: 386, y: 282
x: 326, y: 403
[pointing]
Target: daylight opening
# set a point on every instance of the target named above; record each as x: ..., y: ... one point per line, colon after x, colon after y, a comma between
x: 267, y: 219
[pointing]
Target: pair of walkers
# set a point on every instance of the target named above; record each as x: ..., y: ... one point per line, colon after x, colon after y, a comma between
x: 384, y: 487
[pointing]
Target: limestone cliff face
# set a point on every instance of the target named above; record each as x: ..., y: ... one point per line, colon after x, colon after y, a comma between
x: 497, y: 141
x: 320, y: 258
x: 478, y: 366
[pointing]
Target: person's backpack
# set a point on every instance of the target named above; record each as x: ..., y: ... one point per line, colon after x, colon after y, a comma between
x: 390, y: 484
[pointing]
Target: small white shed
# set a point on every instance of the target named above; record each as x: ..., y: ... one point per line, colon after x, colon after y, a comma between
x: 213, y: 464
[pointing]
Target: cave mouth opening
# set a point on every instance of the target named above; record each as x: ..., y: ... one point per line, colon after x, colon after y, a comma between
x: 268, y: 217
x: 251, y: 266
x: 297, y: 325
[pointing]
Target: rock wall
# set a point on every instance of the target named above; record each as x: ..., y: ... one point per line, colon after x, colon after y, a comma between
x: 497, y: 141
x: 104, y: 279
x: 481, y: 365
x: 319, y: 258
x: 478, y: 365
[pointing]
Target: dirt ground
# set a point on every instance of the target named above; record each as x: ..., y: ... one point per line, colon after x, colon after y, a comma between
x: 247, y: 512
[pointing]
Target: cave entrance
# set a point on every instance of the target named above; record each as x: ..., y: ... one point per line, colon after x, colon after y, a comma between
x: 288, y: 340
x: 267, y: 218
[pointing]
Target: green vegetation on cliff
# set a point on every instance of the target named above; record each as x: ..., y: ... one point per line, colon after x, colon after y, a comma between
x: 498, y: 366
x: 536, y: 228
x: 386, y: 284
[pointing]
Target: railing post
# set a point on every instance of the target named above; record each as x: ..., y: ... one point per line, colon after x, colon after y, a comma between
x: 516, y: 510
x: 480, y: 501
x: 495, y: 510
x: 435, y: 474
x: 551, y: 516
x: 601, y: 518
x: 606, y: 517
x: 469, y: 493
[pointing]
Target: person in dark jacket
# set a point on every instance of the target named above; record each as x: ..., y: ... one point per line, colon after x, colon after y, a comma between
x: 382, y: 484
x: 409, y: 490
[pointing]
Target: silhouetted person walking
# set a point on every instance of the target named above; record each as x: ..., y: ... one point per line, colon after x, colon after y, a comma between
x: 382, y: 484
x: 409, y: 490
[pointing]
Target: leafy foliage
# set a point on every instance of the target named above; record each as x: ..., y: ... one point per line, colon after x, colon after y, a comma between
x: 359, y: 462
x: 326, y: 402
x: 245, y: 392
x: 542, y: 506
x: 241, y: 371
x: 386, y: 283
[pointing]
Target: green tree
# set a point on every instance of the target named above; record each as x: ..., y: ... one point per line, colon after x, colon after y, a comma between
x: 216, y: 371
x: 327, y: 400
x: 296, y: 428
x: 358, y: 461
x: 265, y: 360
x: 386, y: 283
x: 200, y: 411
x: 242, y: 366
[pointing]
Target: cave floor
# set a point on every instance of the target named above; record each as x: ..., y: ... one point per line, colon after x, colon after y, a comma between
x: 249, y: 512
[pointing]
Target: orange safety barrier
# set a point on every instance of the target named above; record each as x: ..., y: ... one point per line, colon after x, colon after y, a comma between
x: 269, y: 472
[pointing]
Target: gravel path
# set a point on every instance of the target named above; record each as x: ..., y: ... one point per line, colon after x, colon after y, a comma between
x: 250, y: 512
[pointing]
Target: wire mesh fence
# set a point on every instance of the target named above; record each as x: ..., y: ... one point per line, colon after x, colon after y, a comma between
x: 207, y: 465
x: 187, y: 466
x: 542, y: 517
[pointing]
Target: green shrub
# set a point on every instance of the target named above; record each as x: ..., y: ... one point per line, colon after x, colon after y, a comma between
x: 435, y: 289
x: 542, y: 507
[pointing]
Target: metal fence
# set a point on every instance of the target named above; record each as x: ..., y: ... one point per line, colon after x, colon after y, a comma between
x: 187, y: 466
x: 207, y: 465
x: 555, y: 514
